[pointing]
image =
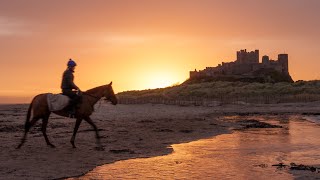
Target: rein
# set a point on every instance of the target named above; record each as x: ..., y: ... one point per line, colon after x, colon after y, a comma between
x: 98, y: 98
x: 91, y: 95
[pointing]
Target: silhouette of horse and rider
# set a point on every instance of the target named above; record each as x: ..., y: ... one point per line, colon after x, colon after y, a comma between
x: 81, y: 105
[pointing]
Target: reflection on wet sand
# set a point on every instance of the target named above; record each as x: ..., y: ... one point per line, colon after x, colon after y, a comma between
x: 245, y: 154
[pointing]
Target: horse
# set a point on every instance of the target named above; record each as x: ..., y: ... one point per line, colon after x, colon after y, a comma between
x: 40, y: 110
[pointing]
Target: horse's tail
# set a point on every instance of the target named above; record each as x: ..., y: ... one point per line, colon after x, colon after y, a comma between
x: 27, y: 124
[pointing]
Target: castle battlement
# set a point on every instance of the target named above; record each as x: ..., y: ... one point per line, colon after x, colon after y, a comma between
x: 246, y: 64
x: 247, y: 57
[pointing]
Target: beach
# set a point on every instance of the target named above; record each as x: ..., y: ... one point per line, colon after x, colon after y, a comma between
x: 140, y: 131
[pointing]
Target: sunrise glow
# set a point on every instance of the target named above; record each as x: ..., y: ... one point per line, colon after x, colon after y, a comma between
x: 146, y: 44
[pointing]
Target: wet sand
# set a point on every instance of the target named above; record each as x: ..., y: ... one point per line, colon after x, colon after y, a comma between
x: 128, y: 132
x: 245, y: 154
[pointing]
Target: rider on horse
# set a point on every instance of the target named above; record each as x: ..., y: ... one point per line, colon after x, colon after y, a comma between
x: 67, y: 86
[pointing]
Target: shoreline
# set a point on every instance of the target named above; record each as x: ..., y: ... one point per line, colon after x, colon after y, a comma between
x: 276, y: 156
x: 128, y: 132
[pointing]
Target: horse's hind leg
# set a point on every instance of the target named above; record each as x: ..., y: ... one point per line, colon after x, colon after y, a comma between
x: 27, y: 127
x: 44, y: 131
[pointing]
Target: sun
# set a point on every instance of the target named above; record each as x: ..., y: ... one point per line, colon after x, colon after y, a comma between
x: 160, y: 80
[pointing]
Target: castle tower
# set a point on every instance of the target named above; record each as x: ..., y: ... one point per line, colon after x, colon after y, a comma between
x: 265, y: 59
x: 255, y: 56
x: 247, y: 57
x: 241, y: 55
x: 283, y: 60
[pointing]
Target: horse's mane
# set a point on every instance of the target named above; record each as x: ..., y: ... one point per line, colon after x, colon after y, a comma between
x: 95, y: 89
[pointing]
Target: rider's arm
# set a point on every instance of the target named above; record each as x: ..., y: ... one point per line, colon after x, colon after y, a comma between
x: 74, y: 86
x: 69, y: 79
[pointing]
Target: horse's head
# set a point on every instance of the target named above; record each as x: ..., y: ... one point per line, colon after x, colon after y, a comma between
x: 109, y: 94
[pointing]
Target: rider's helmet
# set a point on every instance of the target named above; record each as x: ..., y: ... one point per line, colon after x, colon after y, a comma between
x: 71, y: 63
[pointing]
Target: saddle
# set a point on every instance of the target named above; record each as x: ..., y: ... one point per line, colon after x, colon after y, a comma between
x: 57, y: 102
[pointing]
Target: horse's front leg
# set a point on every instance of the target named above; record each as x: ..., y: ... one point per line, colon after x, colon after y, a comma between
x: 76, y: 127
x: 89, y: 120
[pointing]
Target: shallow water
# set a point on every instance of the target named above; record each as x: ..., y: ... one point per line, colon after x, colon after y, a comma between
x: 245, y: 154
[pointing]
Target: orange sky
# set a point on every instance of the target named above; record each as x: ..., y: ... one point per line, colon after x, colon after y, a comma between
x: 141, y: 44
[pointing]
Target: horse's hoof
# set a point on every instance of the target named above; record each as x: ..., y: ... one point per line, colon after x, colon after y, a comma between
x: 52, y: 146
x: 72, y: 143
x: 100, y: 148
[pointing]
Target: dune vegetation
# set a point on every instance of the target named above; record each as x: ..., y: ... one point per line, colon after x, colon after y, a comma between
x: 228, y: 92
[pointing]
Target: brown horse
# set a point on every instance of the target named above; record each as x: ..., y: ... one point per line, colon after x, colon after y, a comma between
x: 40, y: 110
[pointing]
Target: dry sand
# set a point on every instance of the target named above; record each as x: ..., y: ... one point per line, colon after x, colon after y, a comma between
x: 128, y: 131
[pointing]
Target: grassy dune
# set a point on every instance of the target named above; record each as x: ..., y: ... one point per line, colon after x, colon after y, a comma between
x: 229, y: 92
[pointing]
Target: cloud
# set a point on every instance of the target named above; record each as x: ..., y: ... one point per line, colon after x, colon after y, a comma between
x: 125, y: 39
x: 11, y: 27
x: 132, y: 39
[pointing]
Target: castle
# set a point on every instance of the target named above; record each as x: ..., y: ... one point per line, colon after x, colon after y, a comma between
x: 246, y: 65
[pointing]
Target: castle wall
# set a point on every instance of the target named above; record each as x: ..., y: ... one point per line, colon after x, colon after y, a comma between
x: 242, y: 69
x: 246, y: 64
x: 194, y: 74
